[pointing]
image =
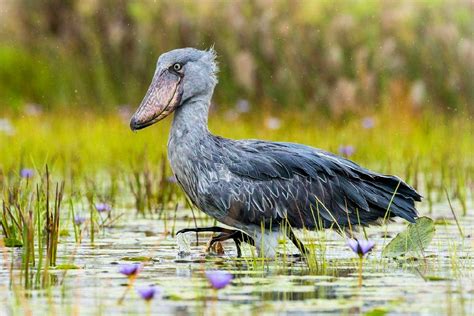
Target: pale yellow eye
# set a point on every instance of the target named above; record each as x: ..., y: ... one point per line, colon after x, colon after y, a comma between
x: 177, y: 67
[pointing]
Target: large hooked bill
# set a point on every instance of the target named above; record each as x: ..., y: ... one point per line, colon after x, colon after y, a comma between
x: 162, y: 98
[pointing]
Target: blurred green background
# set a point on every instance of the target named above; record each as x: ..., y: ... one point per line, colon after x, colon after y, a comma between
x: 335, y: 57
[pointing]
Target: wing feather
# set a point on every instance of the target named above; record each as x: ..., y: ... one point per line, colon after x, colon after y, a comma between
x: 306, y: 187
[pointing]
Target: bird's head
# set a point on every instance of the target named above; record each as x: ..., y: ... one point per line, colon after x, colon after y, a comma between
x: 180, y: 75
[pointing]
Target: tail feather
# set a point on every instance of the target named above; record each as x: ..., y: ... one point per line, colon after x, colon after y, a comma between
x: 401, y: 198
x: 393, y: 183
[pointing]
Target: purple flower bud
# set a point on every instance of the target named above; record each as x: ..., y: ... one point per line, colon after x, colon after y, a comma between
x: 26, y: 173
x: 346, y: 150
x: 368, y: 122
x: 103, y: 207
x: 360, y: 247
x: 79, y: 220
x: 130, y: 269
x: 149, y: 292
x: 219, y: 279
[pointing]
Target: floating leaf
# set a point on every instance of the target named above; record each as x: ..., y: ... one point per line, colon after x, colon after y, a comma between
x: 376, y: 312
x: 413, y: 240
x: 436, y: 278
x: 67, y: 266
x: 137, y: 259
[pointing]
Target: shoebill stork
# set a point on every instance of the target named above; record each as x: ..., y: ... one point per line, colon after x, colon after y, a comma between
x: 260, y: 188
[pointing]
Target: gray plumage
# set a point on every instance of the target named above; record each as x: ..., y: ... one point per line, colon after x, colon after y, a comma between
x: 247, y: 183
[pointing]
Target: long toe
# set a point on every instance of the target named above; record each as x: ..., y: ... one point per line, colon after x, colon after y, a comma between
x: 185, y: 230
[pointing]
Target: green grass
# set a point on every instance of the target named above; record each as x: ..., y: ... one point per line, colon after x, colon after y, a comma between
x: 99, y: 159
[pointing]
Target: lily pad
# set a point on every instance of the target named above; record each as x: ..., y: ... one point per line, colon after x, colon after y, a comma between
x: 436, y: 278
x: 413, y: 240
x: 376, y: 312
x: 137, y: 259
x: 67, y: 266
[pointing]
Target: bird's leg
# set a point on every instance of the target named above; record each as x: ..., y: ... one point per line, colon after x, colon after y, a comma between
x: 302, y: 248
x: 239, y: 237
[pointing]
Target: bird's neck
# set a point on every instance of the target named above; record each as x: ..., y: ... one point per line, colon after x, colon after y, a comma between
x: 190, y: 119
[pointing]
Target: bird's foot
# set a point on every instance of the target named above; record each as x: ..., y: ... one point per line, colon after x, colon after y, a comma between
x: 237, y: 236
x: 224, y: 234
x: 215, y: 247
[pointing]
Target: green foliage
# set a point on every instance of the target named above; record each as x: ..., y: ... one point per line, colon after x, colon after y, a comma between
x: 338, y: 56
x: 66, y: 266
x: 378, y: 311
x: 137, y: 259
x: 12, y: 242
x: 413, y: 240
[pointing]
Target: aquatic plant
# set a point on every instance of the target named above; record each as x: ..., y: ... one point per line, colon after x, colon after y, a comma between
x: 27, y: 173
x: 104, y: 210
x: 219, y: 279
x: 412, y: 241
x: 149, y: 292
x: 361, y: 248
x: 79, y: 220
x: 103, y: 207
x: 130, y: 270
x: 30, y: 219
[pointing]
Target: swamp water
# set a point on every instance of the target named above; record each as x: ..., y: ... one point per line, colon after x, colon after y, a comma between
x: 438, y: 284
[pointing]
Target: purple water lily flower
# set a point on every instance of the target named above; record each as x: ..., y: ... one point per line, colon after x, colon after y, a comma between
x: 368, y: 122
x: 27, y: 173
x: 79, y: 220
x: 346, y: 150
x: 360, y: 247
x: 130, y: 269
x: 103, y: 207
x: 149, y: 292
x: 219, y: 279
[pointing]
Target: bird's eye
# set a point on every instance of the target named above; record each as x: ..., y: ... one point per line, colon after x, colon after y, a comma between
x: 177, y: 67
